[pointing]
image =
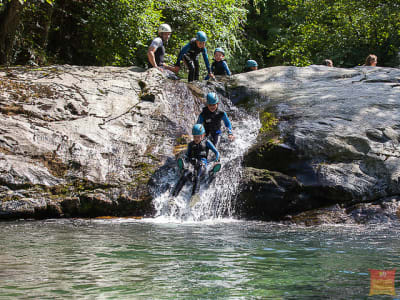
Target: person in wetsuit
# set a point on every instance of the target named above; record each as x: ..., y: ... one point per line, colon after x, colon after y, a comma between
x: 189, y: 54
x: 211, y: 118
x: 219, y: 65
x: 196, y: 154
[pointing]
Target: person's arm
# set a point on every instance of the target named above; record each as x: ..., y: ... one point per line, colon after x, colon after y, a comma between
x: 211, y: 146
x: 200, y: 120
x: 151, y: 57
x: 226, y: 68
x: 229, y: 126
x: 151, y: 52
x: 205, y: 57
x: 227, y: 122
x: 183, y: 51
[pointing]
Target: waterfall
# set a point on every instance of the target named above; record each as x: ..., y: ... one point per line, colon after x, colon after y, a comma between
x: 216, y: 199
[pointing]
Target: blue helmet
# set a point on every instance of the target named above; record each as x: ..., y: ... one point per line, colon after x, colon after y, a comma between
x: 198, y: 129
x: 201, y: 36
x: 251, y: 63
x: 212, y: 98
x: 219, y: 49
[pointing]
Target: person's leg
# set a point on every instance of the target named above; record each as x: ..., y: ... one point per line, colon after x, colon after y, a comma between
x: 198, y: 174
x: 191, y: 66
x: 214, y: 138
x: 197, y: 69
x: 180, y: 184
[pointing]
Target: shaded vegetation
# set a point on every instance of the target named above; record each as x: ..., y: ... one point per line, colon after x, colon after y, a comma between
x: 273, y: 32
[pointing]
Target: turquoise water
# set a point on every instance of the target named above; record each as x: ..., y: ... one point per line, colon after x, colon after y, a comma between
x: 155, y: 259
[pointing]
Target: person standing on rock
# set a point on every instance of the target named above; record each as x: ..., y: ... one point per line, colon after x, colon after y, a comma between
x: 211, y: 118
x: 189, y: 54
x: 156, y: 51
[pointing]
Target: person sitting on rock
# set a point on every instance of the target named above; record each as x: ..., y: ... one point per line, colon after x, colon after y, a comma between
x: 328, y: 63
x: 211, y: 118
x: 371, y: 60
x: 189, y: 54
x: 219, y: 66
x: 197, y: 153
x: 156, y: 51
x: 251, y: 65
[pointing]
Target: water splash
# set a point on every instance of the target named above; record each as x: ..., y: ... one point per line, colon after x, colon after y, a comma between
x: 216, y: 199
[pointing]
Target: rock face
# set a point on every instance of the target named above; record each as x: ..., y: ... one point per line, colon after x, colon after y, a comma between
x: 335, y: 139
x: 84, y: 141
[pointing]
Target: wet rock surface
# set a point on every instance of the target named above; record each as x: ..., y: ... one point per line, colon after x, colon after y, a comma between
x: 84, y: 141
x: 336, y: 135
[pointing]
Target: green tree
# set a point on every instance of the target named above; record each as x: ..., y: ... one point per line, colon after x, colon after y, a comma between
x: 305, y: 32
x: 221, y: 20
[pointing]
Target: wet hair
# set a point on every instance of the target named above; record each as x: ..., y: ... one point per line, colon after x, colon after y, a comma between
x: 327, y: 62
x: 370, y: 59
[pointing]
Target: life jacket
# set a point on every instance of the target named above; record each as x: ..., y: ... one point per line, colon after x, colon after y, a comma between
x: 199, y: 150
x: 217, y: 67
x: 212, y: 120
x: 193, y: 51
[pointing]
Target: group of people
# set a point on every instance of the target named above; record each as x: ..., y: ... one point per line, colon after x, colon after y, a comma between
x: 189, y: 55
x: 207, y: 130
x: 206, y: 135
x: 371, y: 60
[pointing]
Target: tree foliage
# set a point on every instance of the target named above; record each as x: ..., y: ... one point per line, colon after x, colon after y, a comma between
x: 303, y: 32
x: 273, y: 32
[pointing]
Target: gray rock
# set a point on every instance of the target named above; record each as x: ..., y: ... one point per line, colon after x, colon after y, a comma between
x: 341, y: 127
x: 68, y: 131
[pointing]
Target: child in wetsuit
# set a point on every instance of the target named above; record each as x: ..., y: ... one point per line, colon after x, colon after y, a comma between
x: 196, y: 154
x: 219, y: 66
x: 189, y: 54
x: 211, y: 118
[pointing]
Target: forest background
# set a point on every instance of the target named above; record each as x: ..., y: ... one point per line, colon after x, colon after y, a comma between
x: 273, y: 32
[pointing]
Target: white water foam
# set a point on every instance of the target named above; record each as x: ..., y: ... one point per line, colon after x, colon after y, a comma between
x: 215, y: 199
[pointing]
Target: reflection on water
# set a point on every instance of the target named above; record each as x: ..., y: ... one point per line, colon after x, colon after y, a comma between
x: 148, y: 259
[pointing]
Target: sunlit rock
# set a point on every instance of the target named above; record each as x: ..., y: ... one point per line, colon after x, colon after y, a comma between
x: 337, y: 134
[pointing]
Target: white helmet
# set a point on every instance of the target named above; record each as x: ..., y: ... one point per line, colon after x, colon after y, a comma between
x: 164, y: 28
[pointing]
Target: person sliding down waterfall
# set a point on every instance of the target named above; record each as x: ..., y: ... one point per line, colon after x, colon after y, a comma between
x: 211, y: 117
x: 196, y: 155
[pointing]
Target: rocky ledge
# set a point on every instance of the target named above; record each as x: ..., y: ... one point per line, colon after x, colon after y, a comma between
x: 84, y: 141
x: 329, y: 140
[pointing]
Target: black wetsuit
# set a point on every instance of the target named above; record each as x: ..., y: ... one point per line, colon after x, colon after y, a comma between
x: 212, y: 123
x: 189, y: 54
x: 197, y: 156
x: 220, y: 68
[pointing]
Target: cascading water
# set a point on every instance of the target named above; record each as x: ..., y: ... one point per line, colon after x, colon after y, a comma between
x: 216, y: 198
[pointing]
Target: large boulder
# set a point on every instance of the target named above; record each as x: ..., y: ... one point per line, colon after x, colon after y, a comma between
x: 84, y: 141
x: 334, y: 131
